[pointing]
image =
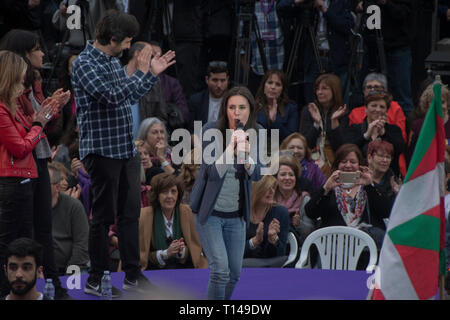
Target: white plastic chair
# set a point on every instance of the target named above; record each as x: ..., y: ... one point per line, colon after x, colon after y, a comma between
x: 339, y: 248
x: 293, y: 249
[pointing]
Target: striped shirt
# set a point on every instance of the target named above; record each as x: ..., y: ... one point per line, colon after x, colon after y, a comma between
x: 104, y: 95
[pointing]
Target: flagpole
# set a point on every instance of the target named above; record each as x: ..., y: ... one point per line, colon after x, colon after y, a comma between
x: 441, y: 287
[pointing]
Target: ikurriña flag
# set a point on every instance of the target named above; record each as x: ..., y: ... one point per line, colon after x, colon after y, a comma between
x: 412, y: 255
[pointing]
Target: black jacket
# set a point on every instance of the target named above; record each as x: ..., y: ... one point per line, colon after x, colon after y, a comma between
x: 199, y: 108
x: 392, y: 133
x: 325, y: 207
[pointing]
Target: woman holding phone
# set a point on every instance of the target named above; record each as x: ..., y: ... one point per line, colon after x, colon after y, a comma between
x: 348, y: 197
x: 220, y: 198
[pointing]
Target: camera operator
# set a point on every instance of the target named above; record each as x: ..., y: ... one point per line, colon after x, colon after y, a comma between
x: 397, y: 24
x: 91, y: 12
x: 271, y: 37
x: 332, y: 22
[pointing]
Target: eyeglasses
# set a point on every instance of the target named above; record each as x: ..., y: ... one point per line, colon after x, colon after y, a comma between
x: 286, y: 153
x: 377, y: 87
x: 218, y: 64
x: 384, y: 156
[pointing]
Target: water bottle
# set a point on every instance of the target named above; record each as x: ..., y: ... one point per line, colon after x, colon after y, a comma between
x: 49, y: 290
x: 106, y: 286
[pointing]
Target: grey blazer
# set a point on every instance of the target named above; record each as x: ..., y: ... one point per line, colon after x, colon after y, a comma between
x: 209, y: 182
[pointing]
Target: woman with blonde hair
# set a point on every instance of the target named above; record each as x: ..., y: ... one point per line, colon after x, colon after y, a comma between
x: 266, y: 235
x: 18, y: 138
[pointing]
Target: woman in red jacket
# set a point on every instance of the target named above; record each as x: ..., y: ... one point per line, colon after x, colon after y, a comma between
x: 18, y: 138
x: 26, y: 44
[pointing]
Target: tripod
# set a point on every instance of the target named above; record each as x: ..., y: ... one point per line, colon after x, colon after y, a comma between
x: 247, y: 17
x: 84, y: 5
x: 352, y: 83
x: 305, y: 25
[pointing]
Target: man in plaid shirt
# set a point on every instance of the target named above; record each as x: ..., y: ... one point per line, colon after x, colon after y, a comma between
x: 103, y: 95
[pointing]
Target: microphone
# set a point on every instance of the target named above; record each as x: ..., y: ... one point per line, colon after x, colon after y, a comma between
x: 240, y: 154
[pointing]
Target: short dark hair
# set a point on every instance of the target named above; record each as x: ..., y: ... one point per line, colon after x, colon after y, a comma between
x: 344, y: 151
x: 116, y: 26
x: 217, y: 67
x: 24, y: 247
x: 162, y: 182
x: 137, y: 46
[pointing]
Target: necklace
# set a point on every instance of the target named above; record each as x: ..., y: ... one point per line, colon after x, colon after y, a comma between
x: 348, y: 191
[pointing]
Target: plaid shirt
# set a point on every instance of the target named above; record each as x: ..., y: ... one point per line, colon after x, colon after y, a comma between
x: 273, y: 49
x: 104, y: 95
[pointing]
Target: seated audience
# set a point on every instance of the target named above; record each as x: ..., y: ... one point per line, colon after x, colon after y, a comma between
x: 290, y: 195
x: 266, y: 235
x: 154, y: 133
x: 204, y: 106
x: 376, y: 127
x: 296, y: 143
x: 395, y: 115
x: 378, y: 82
x: 321, y: 121
x: 274, y: 108
x: 357, y: 205
x: 167, y: 234
x: 70, y: 227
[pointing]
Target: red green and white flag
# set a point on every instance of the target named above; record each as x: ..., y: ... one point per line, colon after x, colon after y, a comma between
x: 412, y: 255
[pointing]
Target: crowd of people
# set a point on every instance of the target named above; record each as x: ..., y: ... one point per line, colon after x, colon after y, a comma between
x: 87, y: 170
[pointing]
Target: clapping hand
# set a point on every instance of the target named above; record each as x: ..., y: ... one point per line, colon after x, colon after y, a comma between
x: 160, y: 63
x: 160, y: 150
x: 395, y: 185
x: 273, y: 231
x: 315, y: 113
x: 175, y: 248
x: 45, y: 113
x: 295, y: 220
x: 259, y: 237
x: 336, y: 115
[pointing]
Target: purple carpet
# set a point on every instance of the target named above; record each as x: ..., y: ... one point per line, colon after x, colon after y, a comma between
x: 255, y: 284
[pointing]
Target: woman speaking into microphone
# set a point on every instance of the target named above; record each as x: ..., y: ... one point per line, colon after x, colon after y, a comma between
x: 220, y: 198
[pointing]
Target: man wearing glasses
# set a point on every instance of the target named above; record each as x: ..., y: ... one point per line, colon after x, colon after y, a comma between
x: 204, y: 106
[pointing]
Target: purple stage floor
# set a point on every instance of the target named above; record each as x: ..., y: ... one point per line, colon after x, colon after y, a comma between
x: 255, y: 284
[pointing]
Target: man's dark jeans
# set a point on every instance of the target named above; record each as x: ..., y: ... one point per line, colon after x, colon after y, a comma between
x: 115, y: 186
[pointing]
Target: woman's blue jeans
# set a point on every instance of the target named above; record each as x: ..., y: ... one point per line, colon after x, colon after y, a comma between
x: 223, y: 241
